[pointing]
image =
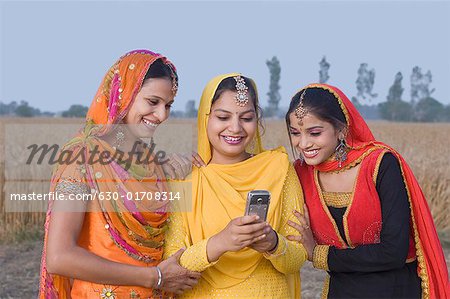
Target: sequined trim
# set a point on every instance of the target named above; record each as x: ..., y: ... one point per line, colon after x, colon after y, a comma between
x: 326, y: 288
x: 325, y: 209
x: 354, y: 163
x: 320, y: 257
x: 419, y: 252
x: 71, y: 185
x: 345, y: 220
x: 337, y: 199
x: 108, y: 293
x: 337, y: 96
x: 377, y: 167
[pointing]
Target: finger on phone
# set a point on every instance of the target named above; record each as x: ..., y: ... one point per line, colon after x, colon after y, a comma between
x: 247, y: 219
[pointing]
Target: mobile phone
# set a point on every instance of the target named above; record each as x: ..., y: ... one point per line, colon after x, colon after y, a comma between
x: 258, y: 203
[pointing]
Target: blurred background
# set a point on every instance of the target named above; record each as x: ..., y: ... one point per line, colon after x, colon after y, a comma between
x: 392, y: 58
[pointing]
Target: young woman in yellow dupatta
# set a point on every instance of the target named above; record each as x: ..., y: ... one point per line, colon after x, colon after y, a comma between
x: 111, y: 247
x: 239, y: 256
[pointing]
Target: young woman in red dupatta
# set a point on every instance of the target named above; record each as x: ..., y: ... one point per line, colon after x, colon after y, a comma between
x: 369, y: 224
x: 112, y: 247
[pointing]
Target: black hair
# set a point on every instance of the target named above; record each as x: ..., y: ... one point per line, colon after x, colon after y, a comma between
x: 230, y: 84
x: 159, y: 69
x: 322, y: 104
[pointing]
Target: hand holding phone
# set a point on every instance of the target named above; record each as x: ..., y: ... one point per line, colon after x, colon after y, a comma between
x: 258, y: 203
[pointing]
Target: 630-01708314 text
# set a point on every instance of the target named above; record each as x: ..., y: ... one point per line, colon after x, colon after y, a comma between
x: 138, y: 196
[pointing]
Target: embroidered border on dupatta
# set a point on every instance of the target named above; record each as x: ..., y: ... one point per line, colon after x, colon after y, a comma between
x: 423, y: 273
x: 377, y: 166
x: 325, y: 209
x: 326, y: 287
x: 344, y: 218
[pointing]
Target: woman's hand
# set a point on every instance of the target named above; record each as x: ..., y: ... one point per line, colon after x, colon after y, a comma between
x: 175, y: 278
x: 178, y: 166
x: 239, y: 233
x: 197, y: 160
x: 305, y: 234
x: 267, y: 244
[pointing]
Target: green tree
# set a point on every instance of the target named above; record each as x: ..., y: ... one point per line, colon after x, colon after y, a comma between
x: 420, y: 85
x: 445, y: 115
x: 274, y: 86
x: 428, y: 110
x: 8, y: 109
x: 395, y: 110
x: 323, y: 72
x: 25, y: 110
x: 75, y: 111
x: 190, y: 111
x: 364, y: 84
x: 396, y: 90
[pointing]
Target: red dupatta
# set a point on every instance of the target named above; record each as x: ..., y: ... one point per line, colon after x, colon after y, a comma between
x: 364, y: 149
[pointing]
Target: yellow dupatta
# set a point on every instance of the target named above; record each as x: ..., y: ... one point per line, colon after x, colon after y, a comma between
x: 219, y: 194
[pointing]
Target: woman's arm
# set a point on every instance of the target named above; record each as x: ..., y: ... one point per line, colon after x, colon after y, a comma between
x: 65, y: 257
x: 289, y: 255
x: 239, y: 233
x: 392, y: 250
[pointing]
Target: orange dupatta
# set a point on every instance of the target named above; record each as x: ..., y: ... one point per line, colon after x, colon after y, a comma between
x: 124, y: 230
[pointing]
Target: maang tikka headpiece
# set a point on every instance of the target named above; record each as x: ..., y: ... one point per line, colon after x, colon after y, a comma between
x: 301, y: 110
x: 242, y: 89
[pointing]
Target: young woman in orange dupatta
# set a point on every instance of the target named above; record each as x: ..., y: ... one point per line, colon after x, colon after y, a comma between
x: 112, y: 247
x: 369, y: 224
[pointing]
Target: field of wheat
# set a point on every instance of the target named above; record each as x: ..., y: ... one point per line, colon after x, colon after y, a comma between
x: 424, y: 147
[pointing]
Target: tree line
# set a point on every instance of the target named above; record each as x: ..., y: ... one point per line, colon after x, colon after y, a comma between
x: 23, y: 109
x: 421, y: 106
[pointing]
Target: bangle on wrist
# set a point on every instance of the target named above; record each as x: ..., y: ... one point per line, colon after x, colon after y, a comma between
x: 160, y: 278
x: 276, y: 243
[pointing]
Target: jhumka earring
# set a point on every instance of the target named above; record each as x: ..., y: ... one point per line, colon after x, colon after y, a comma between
x: 241, y: 98
x: 301, y: 110
x: 341, y: 152
x: 120, y: 138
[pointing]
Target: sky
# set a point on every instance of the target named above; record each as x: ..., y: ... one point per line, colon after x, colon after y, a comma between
x: 54, y: 54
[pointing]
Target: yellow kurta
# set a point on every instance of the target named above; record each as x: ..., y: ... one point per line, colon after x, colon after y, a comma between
x: 275, y: 276
x: 219, y: 193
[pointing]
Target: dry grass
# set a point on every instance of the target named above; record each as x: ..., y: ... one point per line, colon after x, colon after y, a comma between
x: 423, y: 146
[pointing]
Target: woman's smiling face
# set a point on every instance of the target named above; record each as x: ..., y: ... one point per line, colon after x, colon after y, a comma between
x: 150, y: 108
x: 314, y: 139
x: 230, y: 128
